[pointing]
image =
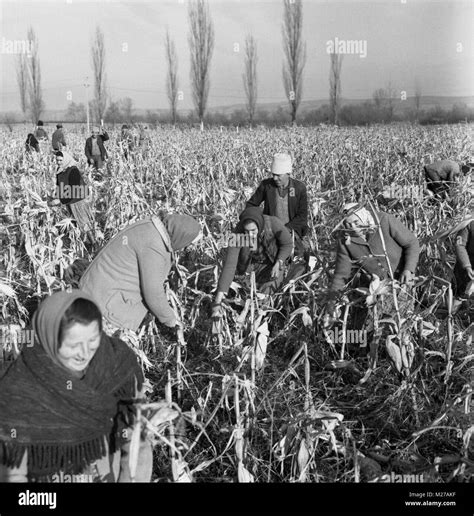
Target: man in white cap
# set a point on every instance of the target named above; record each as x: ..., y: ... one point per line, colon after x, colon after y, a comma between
x: 284, y: 197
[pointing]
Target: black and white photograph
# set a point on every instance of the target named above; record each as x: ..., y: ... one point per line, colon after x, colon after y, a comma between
x: 237, y: 248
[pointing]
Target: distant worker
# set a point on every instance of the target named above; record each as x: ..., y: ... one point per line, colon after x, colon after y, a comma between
x: 73, y: 192
x: 40, y: 133
x: 441, y: 175
x: 57, y: 140
x: 126, y: 141
x: 95, y: 151
x: 32, y: 143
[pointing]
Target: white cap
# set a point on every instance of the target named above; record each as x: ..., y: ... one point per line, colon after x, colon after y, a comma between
x: 281, y: 164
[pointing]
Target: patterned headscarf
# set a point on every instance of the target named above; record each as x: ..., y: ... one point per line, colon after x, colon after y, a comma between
x: 363, y: 214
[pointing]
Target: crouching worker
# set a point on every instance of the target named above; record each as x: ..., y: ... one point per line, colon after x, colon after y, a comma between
x: 66, y: 402
x: 442, y: 175
x: 261, y: 244
x: 127, y: 276
x: 361, y: 248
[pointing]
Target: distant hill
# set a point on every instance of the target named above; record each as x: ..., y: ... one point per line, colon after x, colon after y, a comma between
x: 446, y: 103
x: 310, y: 105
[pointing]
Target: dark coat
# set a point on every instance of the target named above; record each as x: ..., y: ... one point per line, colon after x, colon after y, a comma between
x: 101, y: 138
x: 67, y: 182
x: 32, y: 143
x: 297, y: 204
x: 275, y: 241
x: 58, y: 141
x: 402, y: 247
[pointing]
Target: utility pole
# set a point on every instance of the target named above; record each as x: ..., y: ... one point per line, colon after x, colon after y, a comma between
x: 86, y: 86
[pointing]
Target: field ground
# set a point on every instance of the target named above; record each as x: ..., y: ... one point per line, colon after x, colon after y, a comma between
x: 281, y: 415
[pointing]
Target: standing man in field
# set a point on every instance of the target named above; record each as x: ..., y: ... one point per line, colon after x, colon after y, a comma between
x: 286, y: 198
x: 57, y: 140
x: 95, y: 151
x: 40, y: 133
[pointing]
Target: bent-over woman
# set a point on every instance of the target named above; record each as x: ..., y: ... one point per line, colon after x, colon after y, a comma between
x: 260, y: 243
x: 361, y: 250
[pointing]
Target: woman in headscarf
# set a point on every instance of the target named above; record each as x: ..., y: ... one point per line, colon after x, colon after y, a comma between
x: 127, y: 276
x: 260, y: 243
x: 66, y: 403
x: 361, y: 248
x: 32, y: 143
x: 73, y: 192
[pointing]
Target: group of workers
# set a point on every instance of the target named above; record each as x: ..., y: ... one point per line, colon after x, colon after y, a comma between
x: 84, y: 372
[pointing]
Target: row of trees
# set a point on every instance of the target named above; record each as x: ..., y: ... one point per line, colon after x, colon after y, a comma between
x: 201, y: 45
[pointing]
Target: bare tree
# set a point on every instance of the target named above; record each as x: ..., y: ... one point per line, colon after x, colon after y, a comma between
x: 36, y: 104
x: 379, y: 98
x: 98, y: 65
x: 335, y: 86
x: 417, y: 98
x: 390, y: 100
x: 295, y: 53
x: 250, y: 76
x: 201, y: 45
x: 23, y: 82
x: 126, y: 108
x: 384, y: 99
x: 172, y: 80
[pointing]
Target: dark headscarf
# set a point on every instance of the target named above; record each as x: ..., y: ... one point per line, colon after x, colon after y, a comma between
x: 182, y: 229
x: 254, y: 214
x: 61, y: 421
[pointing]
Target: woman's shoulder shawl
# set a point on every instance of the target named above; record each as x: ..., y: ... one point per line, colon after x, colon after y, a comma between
x: 61, y: 421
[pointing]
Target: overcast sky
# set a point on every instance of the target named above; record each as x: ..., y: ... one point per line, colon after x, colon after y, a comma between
x: 407, y: 41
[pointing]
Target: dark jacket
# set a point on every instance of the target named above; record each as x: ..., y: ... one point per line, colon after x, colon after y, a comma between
x: 67, y: 183
x: 402, y: 247
x: 57, y: 140
x: 101, y: 138
x: 32, y: 143
x: 275, y: 241
x: 297, y: 204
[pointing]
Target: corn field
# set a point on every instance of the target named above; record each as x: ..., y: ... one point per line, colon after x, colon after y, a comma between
x: 255, y: 396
